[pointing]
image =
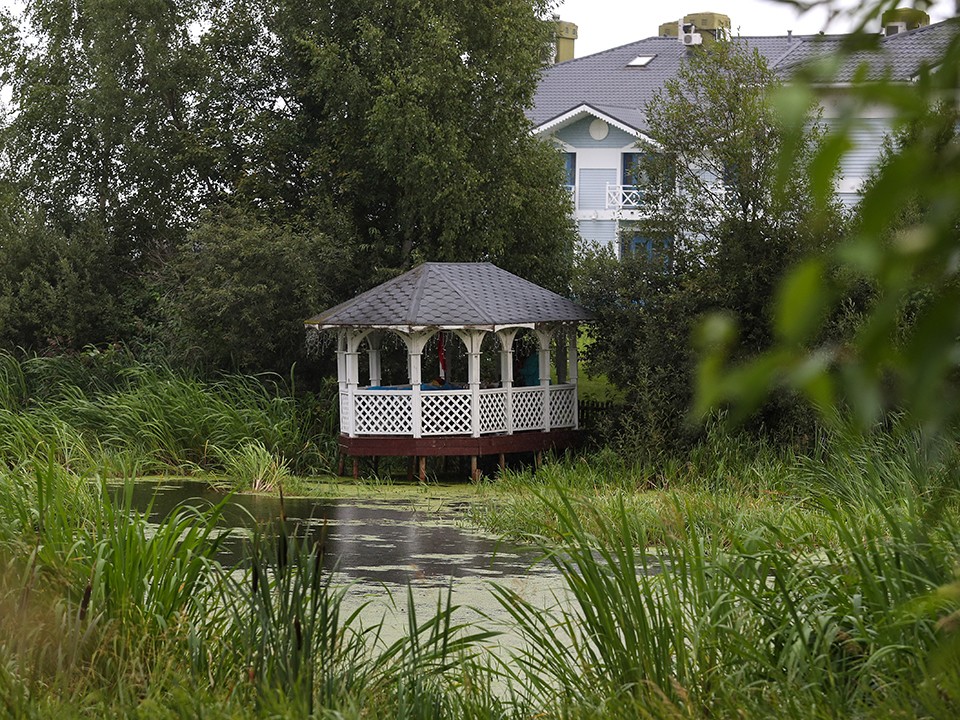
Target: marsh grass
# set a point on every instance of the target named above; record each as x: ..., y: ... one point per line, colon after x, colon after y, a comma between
x: 251, y: 466
x: 772, y: 624
x: 106, y: 413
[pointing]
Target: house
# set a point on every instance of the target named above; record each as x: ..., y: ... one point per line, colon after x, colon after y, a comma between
x: 593, y: 108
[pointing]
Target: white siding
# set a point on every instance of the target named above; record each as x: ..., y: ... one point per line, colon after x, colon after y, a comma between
x: 599, y: 232
x: 592, y: 188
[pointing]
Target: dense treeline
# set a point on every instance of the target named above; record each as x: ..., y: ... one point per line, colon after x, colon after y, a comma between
x: 198, y: 176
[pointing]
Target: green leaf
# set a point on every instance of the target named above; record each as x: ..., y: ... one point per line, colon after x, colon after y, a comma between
x: 802, y: 302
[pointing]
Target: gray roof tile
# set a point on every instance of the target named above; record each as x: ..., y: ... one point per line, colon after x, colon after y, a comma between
x: 606, y: 82
x: 898, y: 57
x: 453, y: 294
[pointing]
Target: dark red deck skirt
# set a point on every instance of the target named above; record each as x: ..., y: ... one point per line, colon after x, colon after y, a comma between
x: 458, y: 445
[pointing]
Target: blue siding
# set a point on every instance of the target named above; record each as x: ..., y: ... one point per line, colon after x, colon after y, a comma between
x: 593, y: 187
x: 578, y: 135
x: 599, y: 232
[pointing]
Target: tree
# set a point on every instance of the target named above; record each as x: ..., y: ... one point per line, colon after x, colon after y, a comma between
x: 138, y: 119
x: 411, y: 119
x: 101, y: 126
x: 238, y: 293
x: 721, y: 230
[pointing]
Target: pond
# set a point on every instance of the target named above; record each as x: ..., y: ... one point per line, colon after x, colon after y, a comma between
x: 380, y: 548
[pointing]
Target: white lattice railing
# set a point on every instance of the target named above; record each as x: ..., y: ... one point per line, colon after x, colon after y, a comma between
x: 344, y: 412
x: 446, y: 412
x: 450, y: 412
x: 493, y: 411
x: 624, y: 197
x: 563, y: 407
x: 383, y: 412
x: 528, y: 408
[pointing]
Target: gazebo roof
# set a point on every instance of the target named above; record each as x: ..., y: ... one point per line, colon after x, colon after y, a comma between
x: 452, y: 295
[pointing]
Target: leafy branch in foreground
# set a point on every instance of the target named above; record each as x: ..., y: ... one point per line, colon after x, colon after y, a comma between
x: 905, y: 247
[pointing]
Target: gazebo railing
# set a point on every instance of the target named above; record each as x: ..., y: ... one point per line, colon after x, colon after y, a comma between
x: 450, y: 412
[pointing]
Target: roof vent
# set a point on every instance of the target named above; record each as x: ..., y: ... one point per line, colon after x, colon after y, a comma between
x: 894, y: 28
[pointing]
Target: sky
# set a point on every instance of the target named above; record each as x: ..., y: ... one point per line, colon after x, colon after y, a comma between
x: 603, y: 24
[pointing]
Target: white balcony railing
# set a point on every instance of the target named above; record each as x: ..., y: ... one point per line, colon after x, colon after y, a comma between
x: 624, y: 197
x: 451, y: 412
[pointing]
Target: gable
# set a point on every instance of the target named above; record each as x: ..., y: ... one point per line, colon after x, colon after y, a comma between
x: 578, y: 135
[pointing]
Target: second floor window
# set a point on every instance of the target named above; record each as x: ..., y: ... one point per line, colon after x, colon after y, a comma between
x: 570, y: 161
x: 631, y: 172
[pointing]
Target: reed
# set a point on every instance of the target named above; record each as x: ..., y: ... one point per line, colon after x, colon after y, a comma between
x: 115, y: 415
x: 771, y: 622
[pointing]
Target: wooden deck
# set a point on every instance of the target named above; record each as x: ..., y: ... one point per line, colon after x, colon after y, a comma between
x: 436, y: 446
x: 455, y: 446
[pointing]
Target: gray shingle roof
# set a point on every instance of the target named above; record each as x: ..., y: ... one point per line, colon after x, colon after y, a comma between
x: 452, y: 294
x: 898, y: 57
x: 605, y: 82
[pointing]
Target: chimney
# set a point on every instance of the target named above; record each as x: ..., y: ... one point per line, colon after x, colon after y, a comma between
x: 565, y: 34
x: 698, y: 28
x: 901, y: 20
x: 710, y: 26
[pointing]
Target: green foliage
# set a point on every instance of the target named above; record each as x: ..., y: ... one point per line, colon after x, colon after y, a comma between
x: 724, y: 231
x: 411, y: 119
x: 766, y: 623
x: 60, y: 292
x: 284, y: 154
x: 900, y: 348
x: 239, y: 291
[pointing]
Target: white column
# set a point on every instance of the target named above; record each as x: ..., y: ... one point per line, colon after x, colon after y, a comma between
x: 572, y: 362
x: 374, y: 341
x: 415, y: 392
x: 351, y: 363
x: 506, y: 338
x: 473, y: 340
x: 346, y: 408
x: 545, y: 337
x: 415, y: 342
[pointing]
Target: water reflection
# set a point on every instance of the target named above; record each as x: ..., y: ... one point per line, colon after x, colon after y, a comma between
x: 381, y: 541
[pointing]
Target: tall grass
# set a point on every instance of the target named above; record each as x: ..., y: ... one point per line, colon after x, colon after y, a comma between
x: 118, y: 416
x: 842, y: 603
x: 830, y: 591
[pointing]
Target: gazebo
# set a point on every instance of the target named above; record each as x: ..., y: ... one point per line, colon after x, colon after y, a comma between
x: 419, y: 418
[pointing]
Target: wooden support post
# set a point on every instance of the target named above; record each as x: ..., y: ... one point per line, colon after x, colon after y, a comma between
x: 423, y: 468
x: 356, y: 468
x: 503, y: 462
x: 474, y: 472
x: 340, y: 466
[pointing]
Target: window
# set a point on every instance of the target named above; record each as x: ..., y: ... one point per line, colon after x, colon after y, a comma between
x: 631, y: 171
x: 636, y: 242
x: 570, y: 160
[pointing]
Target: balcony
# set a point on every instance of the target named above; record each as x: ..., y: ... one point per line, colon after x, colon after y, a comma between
x: 624, y: 197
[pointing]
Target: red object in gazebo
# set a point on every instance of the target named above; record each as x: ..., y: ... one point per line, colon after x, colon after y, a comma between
x: 417, y: 419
